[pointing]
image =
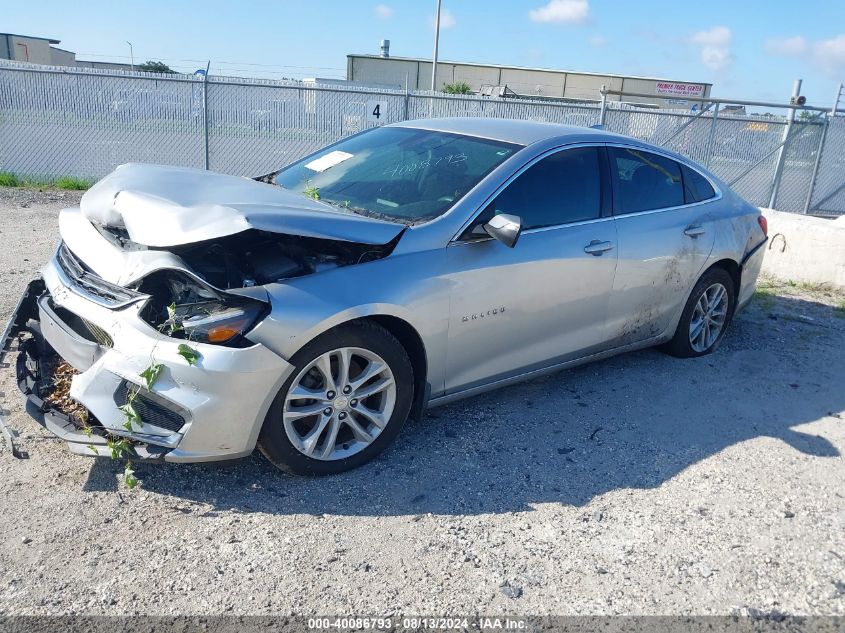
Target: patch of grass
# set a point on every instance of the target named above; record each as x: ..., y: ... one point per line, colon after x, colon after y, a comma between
x: 811, y: 286
x: 75, y: 184
x: 8, y: 179
x: 765, y: 296
x: 839, y: 309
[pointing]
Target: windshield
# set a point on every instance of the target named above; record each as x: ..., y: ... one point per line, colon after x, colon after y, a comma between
x: 402, y: 174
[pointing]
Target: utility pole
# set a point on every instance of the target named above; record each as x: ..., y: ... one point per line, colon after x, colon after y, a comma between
x: 131, y: 56
x: 436, y: 46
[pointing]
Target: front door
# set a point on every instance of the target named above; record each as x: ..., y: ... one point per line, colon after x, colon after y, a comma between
x: 545, y: 300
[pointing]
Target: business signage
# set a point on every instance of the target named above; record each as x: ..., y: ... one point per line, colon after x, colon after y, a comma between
x: 679, y: 90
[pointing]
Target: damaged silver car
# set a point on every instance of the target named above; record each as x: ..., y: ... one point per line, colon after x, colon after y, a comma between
x: 311, y: 311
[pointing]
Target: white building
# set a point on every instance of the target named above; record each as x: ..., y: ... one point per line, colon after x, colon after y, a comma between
x: 415, y: 73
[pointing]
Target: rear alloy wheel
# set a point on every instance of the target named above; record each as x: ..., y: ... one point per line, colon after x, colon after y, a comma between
x: 706, y: 316
x: 344, y: 403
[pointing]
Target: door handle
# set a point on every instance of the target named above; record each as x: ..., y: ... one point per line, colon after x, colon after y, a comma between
x: 597, y: 248
x: 694, y: 230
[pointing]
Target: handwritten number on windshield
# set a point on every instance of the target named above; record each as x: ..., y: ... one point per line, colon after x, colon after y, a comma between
x: 401, y: 169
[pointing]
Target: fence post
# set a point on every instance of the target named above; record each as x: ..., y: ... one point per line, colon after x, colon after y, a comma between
x: 819, y: 150
x: 712, y: 138
x: 816, y: 163
x: 790, y: 121
x: 205, y: 109
x: 603, y: 111
x: 407, y: 99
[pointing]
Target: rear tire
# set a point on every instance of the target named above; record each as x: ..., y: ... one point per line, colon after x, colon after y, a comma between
x: 346, y: 400
x: 706, y: 316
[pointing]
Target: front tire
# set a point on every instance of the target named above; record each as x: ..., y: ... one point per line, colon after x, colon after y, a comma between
x: 706, y: 316
x: 346, y: 400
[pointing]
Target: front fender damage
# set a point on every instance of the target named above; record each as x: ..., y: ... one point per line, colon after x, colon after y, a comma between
x: 210, y: 411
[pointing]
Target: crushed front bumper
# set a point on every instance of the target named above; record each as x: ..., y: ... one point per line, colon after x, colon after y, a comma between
x: 209, y: 411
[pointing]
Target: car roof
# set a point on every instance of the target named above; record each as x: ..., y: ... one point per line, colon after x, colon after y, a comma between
x: 513, y: 130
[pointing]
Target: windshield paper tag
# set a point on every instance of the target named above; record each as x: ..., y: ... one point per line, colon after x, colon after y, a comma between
x: 329, y: 160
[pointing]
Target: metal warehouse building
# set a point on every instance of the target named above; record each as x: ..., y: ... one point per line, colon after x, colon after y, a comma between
x: 40, y: 50
x: 415, y: 74
x: 36, y: 50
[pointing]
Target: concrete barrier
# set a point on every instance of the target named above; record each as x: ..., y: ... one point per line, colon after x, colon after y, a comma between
x: 804, y: 248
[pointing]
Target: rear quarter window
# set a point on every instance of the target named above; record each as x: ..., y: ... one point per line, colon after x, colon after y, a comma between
x: 696, y: 187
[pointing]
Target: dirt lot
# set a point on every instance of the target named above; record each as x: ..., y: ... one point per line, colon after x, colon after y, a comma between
x: 643, y: 484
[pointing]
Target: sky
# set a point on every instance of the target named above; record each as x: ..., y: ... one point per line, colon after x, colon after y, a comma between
x: 747, y: 49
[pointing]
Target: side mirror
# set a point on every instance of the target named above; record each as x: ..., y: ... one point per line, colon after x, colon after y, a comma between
x: 505, y: 228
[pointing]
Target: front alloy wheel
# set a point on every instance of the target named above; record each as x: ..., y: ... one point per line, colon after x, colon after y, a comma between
x: 339, y: 403
x: 346, y: 400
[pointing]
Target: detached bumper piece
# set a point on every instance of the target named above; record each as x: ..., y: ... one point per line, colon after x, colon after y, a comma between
x: 24, y: 311
x: 56, y: 335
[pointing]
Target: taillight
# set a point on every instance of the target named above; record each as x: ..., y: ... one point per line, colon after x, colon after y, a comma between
x: 764, y: 224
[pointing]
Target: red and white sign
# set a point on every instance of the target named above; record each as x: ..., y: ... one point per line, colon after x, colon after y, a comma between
x: 680, y: 90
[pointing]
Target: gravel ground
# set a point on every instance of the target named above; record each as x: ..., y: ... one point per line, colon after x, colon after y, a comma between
x: 640, y: 485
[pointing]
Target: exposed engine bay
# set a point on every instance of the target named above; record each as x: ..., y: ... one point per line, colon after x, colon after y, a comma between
x: 192, y: 303
x: 255, y: 258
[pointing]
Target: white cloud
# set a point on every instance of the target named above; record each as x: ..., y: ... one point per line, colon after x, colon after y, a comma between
x: 717, y: 36
x: 562, y: 12
x: 829, y: 55
x: 447, y: 20
x: 716, y: 58
x: 598, y: 41
x: 715, y: 45
x: 383, y: 11
x: 787, y: 46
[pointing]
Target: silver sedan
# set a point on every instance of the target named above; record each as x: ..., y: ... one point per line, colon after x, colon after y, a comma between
x: 312, y: 310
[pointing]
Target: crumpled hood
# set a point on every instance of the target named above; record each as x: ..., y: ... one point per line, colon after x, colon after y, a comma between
x: 163, y: 206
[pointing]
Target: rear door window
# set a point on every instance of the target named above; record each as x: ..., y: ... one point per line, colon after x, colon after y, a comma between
x: 643, y: 181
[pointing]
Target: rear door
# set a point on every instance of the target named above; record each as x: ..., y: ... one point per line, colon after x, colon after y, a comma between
x: 545, y: 300
x: 665, y: 236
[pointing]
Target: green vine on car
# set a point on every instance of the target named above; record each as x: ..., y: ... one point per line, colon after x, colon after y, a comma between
x: 312, y: 192
x: 129, y: 413
x: 173, y: 322
x: 120, y: 447
x: 129, y: 477
x: 190, y: 354
x: 151, y: 374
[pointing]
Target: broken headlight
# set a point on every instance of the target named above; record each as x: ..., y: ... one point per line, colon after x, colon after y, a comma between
x: 215, y: 322
x: 183, y: 307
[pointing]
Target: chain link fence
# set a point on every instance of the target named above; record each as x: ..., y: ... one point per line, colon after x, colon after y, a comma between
x: 84, y: 122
